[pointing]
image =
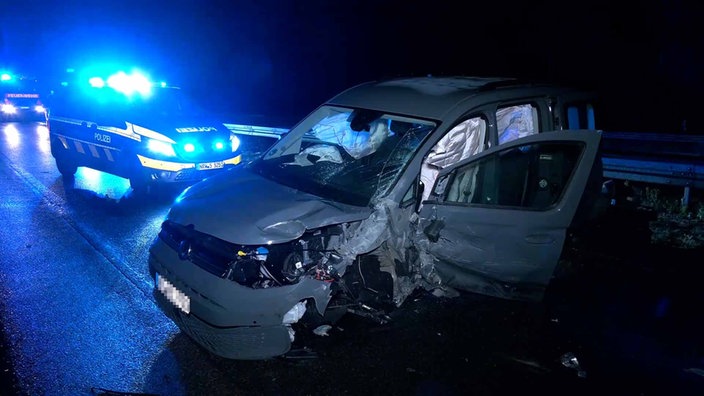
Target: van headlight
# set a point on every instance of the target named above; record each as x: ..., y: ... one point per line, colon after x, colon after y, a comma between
x: 161, y: 147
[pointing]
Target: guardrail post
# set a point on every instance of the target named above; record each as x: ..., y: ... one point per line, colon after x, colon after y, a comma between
x: 685, y: 197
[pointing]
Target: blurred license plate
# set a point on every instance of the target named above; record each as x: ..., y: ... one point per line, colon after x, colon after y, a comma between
x: 210, y: 165
x: 172, y: 294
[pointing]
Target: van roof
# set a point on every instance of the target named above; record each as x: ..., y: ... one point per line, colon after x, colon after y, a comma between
x: 430, y: 97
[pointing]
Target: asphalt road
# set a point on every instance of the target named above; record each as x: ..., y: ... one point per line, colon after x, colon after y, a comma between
x: 78, y: 316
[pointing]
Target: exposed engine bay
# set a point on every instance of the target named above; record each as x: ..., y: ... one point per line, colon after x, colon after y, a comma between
x: 363, y: 278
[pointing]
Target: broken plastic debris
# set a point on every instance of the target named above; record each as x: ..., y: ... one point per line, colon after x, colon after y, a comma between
x: 292, y: 316
x: 300, y: 354
x: 295, y: 313
x: 569, y: 360
x: 695, y: 370
x: 531, y: 363
x: 322, y: 330
x: 445, y: 292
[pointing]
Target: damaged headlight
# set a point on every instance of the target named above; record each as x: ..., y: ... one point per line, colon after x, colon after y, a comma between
x: 314, y: 254
x: 264, y: 267
x: 286, y: 263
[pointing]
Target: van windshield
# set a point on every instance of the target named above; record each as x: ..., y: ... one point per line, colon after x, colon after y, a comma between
x: 343, y: 154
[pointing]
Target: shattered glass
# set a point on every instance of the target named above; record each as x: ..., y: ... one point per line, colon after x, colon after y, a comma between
x: 345, y: 155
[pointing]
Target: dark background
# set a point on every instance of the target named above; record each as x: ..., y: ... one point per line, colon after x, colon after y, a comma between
x: 281, y: 59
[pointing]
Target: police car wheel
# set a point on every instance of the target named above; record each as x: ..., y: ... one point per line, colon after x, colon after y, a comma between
x: 66, y: 167
x: 138, y: 184
x: 64, y: 164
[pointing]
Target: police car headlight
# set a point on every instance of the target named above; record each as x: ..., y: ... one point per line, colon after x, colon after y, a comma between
x: 235, y: 141
x: 39, y: 109
x: 159, y: 147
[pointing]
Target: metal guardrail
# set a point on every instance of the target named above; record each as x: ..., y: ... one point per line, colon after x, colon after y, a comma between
x: 653, y: 158
x: 253, y: 130
x: 654, y: 171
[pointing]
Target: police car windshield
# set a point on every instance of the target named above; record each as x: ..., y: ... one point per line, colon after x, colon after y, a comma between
x: 106, y: 104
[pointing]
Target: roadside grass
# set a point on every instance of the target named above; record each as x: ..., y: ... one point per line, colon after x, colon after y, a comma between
x: 676, y: 224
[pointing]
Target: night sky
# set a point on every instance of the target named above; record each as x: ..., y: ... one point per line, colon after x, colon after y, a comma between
x: 281, y: 59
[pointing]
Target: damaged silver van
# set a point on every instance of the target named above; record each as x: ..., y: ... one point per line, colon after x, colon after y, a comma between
x: 441, y: 183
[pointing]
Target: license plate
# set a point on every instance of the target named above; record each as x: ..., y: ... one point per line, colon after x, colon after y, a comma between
x: 210, y: 165
x: 175, y: 296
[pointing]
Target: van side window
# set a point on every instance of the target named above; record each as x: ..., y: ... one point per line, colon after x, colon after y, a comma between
x: 465, y: 139
x: 515, y: 122
x: 531, y: 176
x: 580, y: 116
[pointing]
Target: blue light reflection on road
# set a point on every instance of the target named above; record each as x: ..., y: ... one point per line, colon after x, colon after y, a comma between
x: 74, y: 306
x: 101, y: 183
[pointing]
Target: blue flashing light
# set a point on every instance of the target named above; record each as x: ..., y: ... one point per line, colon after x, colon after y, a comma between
x: 5, y: 77
x: 130, y: 84
x: 163, y: 84
x: 70, y: 70
x: 219, y: 145
x: 96, y: 82
x: 64, y: 83
x: 189, y: 147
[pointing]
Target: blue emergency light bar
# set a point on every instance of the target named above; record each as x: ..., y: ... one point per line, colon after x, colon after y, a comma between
x: 128, y: 84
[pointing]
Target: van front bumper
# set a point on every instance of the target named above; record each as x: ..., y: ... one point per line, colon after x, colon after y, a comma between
x: 224, y: 317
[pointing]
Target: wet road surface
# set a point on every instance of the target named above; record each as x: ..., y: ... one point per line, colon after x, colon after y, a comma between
x: 78, y: 315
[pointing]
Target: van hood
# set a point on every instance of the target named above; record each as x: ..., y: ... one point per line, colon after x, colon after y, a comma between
x: 244, y: 208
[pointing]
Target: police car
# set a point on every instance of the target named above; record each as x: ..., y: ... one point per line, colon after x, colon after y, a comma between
x: 21, y: 99
x: 128, y: 126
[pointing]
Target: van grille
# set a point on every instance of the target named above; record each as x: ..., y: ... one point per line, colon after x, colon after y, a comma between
x: 209, y: 253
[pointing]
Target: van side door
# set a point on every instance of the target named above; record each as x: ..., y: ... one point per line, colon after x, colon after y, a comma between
x: 496, y: 223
